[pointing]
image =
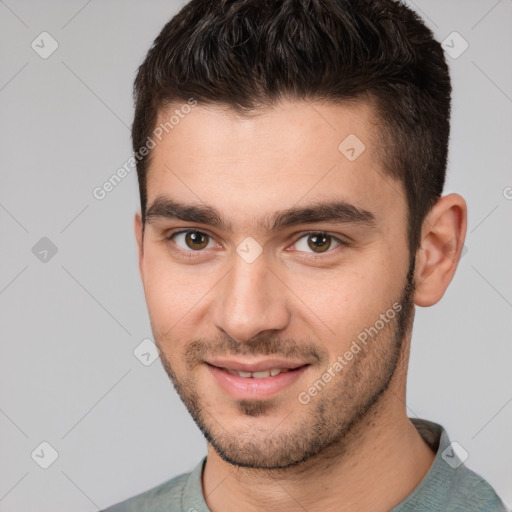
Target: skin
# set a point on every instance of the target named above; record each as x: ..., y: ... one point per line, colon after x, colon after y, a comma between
x: 352, y: 446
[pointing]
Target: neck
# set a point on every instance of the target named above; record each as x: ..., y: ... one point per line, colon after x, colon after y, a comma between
x: 375, y: 467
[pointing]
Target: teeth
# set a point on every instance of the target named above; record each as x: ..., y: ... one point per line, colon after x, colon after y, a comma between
x: 261, y: 375
x: 258, y: 375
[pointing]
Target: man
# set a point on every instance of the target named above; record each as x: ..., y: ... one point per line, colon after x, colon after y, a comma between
x: 291, y: 157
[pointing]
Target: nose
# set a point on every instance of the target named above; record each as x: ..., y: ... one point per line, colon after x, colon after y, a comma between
x: 250, y: 300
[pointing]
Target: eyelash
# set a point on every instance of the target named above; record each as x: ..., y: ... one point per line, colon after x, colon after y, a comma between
x: 195, y: 254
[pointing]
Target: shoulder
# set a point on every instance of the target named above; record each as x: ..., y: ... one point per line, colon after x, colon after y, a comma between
x: 470, y: 492
x: 166, y: 496
x: 449, y: 484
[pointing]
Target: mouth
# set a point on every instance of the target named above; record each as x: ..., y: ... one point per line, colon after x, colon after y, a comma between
x: 255, y: 380
x: 258, y: 375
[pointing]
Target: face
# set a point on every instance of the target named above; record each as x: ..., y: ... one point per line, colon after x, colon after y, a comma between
x: 269, y: 246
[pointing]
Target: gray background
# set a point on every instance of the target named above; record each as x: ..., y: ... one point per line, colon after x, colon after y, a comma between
x: 71, y: 322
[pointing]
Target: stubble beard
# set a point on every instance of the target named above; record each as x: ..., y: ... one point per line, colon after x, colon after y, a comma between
x: 321, y: 428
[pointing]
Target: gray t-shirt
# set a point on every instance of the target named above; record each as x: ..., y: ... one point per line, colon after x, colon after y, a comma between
x: 448, y: 486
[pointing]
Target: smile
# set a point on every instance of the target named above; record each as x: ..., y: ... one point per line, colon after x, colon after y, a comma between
x: 258, y: 375
x: 258, y: 384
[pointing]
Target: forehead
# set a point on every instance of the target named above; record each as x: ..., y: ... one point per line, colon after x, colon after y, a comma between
x: 269, y: 131
x: 279, y: 157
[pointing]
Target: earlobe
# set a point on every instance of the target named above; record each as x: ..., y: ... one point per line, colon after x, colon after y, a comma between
x: 442, y: 241
x: 140, y: 241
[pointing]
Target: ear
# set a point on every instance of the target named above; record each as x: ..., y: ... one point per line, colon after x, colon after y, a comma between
x: 139, y: 236
x: 441, y: 244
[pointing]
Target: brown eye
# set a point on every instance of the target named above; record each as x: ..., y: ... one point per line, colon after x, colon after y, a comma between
x: 316, y: 242
x: 191, y: 240
x: 319, y: 242
x: 196, y: 240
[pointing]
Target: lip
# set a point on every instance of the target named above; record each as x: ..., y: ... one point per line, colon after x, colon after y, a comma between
x: 251, y: 388
x: 257, y: 365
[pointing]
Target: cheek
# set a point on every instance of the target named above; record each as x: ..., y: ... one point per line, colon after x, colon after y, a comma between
x: 178, y: 297
x: 341, y: 306
x: 342, y: 302
x: 170, y: 304
x: 170, y: 292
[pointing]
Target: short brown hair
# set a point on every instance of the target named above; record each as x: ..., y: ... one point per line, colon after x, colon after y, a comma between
x: 246, y: 54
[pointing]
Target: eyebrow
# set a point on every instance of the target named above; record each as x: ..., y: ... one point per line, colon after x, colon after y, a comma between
x: 339, y: 212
